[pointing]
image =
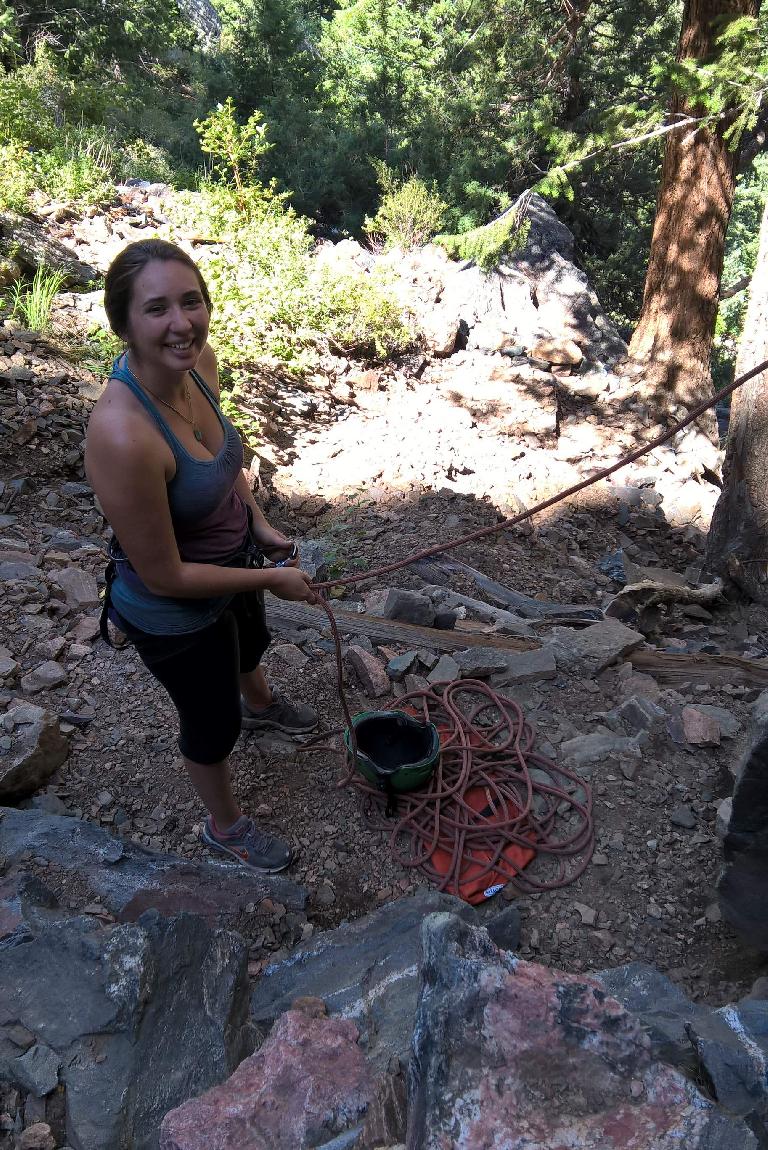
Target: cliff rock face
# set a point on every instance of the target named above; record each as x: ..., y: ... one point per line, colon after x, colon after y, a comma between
x: 204, y: 17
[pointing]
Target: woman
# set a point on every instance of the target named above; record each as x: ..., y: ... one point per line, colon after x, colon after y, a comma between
x: 166, y: 466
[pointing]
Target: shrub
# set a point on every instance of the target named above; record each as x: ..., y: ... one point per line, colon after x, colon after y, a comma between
x: 17, y: 176
x: 358, y: 314
x: 33, y: 303
x: 409, y: 214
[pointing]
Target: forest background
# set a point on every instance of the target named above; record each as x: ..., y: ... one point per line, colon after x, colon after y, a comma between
x: 322, y: 116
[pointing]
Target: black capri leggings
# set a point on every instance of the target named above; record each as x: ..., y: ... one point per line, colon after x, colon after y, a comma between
x: 200, y: 672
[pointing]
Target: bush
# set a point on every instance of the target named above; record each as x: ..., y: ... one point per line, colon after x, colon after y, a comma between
x: 17, y: 176
x: 409, y: 214
x: 269, y: 300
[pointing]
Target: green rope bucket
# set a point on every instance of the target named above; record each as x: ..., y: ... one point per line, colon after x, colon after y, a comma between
x: 395, y: 752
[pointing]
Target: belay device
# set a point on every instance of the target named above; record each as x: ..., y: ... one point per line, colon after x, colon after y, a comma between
x: 395, y: 752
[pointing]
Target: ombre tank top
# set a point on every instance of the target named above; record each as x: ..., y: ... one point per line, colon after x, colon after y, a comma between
x: 210, y: 521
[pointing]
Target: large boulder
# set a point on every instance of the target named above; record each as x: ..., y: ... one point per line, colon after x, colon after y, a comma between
x: 128, y: 879
x: 366, y: 971
x: 307, y: 1084
x: 508, y: 1053
x: 130, y: 1020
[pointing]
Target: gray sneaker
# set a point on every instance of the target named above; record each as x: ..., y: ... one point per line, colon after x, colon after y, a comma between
x: 280, y: 715
x: 246, y: 843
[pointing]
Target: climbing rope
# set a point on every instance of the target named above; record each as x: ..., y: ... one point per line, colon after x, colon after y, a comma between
x: 487, y: 750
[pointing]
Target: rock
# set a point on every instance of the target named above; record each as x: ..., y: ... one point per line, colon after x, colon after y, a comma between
x: 584, y: 750
x: 313, y: 559
x: 445, y: 670
x: 502, y: 1049
x: 38, y: 1136
x: 728, y: 724
x: 399, y: 667
x: 700, y: 729
x: 732, y: 1045
x: 441, y: 329
x: 594, y: 648
x: 639, y: 714
x: 290, y: 654
x: 37, y: 1071
x: 504, y: 928
x: 38, y: 748
x: 408, y: 607
x: 527, y: 667
x: 370, y: 671
x: 663, y: 1009
x: 366, y: 970
x: 560, y: 351
x: 308, y: 1083
x: 80, y: 588
x: 129, y: 879
x: 723, y: 817
x: 147, y: 995
x: 480, y: 662
x: 683, y: 816
x: 44, y: 678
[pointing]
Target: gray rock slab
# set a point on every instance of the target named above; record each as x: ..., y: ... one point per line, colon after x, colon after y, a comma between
x: 661, y: 1006
x: 140, y: 1017
x: 527, y: 667
x: 365, y: 970
x: 728, y: 723
x: 48, y: 675
x: 79, y: 587
x: 594, y: 648
x: 639, y: 714
x: 445, y: 670
x: 585, y: 750
x: 732, y: 1045
x: 399, y: 667
x: 130, y: 880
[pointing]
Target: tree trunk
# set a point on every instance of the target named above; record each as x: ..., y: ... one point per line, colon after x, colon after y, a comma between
x: 673, y: 337
x: 737, y: 545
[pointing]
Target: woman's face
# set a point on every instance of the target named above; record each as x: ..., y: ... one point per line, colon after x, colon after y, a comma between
x: 167, y: 317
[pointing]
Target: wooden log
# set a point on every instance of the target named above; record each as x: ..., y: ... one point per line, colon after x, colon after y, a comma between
x: 720, y: 670
x: 440, y: 570
x: 282, y: 615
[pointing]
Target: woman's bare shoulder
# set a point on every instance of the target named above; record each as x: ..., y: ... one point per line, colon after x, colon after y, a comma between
x: 208, y: 368
x: 120, y: 429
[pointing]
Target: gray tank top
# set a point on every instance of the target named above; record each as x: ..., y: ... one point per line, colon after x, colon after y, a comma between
x: 210, y: 520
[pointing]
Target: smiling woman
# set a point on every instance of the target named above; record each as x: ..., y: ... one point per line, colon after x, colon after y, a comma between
x: 186, y: 580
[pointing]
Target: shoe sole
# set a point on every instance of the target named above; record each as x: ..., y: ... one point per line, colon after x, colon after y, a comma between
x: 270, y: 725
x: 213, y: 845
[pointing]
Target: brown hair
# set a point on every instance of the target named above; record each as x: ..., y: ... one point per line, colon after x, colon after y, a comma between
x: 118, y: 283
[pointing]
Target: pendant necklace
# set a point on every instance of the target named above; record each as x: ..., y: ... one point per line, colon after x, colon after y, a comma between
x: 187, y: 418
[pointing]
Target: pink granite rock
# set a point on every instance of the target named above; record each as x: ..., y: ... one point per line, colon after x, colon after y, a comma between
x: 699, y: 728
x: 307, y: 1083
x: 509, y: 1055
x: 370, y: 670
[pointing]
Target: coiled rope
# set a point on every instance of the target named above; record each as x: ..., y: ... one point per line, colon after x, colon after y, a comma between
x: 487, y: 743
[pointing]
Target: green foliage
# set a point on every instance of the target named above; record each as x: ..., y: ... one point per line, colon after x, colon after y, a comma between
x: 33, y: 303
x: 409, y: 213
x: 238, y: 149
x: 358, y: 314
x: 488, y: 245
x: 269, y: 301
x: 17, y: 176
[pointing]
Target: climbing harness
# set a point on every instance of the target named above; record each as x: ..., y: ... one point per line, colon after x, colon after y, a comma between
x: 482, y: 814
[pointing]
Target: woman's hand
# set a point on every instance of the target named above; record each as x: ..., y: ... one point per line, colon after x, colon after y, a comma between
x: 274, y: 544
x: 288, y: 583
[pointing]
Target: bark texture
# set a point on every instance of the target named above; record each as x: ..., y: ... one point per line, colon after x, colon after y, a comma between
x: 673, y: 337
x: 738, y: 539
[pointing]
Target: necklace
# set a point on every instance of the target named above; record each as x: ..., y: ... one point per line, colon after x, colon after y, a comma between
x: 187, y: 418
